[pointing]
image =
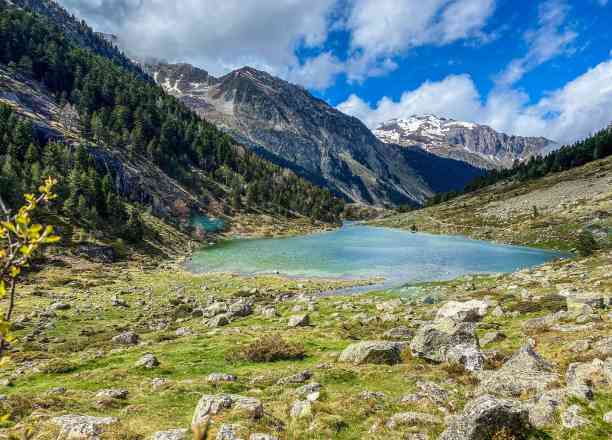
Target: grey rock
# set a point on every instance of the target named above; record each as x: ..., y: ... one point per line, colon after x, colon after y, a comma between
x: 300, y: 320
x: 525, y: 371
x: 269, y: 312
x: 220, y: 378
x: 112, y: 393
x: 371, y: 395
x: 467, y: 355
x: 174, y: 434
x: 604, y: 346
x: 183, y: 331
x: 373, y: 352
x: 60, y: 306
x: 148, y: 361
x: 466, y: 311
x: 227, y: 432
x: 608, y: 417
x: 126, y: 338
x: 296, y: 378
x: 580, y: 346
x: 218, y: 321
x: 301, y: 409
x: 490, y: 337
x: 401, y: 332
x: 77, y: 427
x: 485, y: 416
x: 210, y: 405
x: 411, y: 418
x: 543, y: 410
x: 572, y: 417
x: 241, y: 308
x: 260, y: 436
x: 435, y: 339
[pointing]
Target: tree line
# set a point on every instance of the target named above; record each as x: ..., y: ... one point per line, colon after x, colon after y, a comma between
x: 118, y: 108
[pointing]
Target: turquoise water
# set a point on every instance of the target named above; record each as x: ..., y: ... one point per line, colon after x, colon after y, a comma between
x: 358, y: 251
x: 208, y: 224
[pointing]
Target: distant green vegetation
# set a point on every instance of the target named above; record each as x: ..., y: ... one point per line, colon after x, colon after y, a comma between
x: 118, y: 108
x: 598, y: 146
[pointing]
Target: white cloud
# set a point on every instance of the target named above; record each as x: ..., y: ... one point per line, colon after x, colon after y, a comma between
x: 317, y: 73
x: 550, y: 39
x: 384, y: 29
x: 220, y: 35
x: 602, y: 2
x: 572, y: 112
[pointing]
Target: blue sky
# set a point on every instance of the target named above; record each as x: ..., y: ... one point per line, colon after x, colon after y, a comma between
x: 523, y: 67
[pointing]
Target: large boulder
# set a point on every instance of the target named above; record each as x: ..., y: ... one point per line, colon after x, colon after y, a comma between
x: 373, y: 352
x: 465, y: 311
x: 447, y: 340
x: 525, y: 371
x: 126, y: 338
x: 582, y: 377
x: 79, y: 427
x: 210, y: 405
x: 485, y: 416
x: 543, y: 409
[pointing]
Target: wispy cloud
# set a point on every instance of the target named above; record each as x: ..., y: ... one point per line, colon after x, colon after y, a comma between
x: 550, y: 39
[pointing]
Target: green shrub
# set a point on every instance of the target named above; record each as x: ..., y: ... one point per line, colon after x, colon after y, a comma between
x: 268, y: 348
x: 586, y: 244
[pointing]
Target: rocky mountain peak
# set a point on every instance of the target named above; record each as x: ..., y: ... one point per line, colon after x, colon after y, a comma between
x: 476, y: 144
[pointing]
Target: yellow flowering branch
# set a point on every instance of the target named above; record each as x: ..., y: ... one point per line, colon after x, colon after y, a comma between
x: 20, y: 238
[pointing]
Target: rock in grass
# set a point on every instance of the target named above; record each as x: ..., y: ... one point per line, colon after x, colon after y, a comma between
x: 526, y: 371
x: 608, y: 417
x: 572, y: 417
x: 218, y: 321
x: 543, y: 410
x: 112, y: 393
x: 434, y: 340
x: 301, y: 320
x: 227, y: 432
x: 301, y: 409
x: 126, y: 338
x: 490, y: 337
x: 373, y: 352
x: 485, y: 416
x: 148, y: 361
x: 60, y: 306
x: 213, y: 404
x: 74, y: 426
x: 174, y: 434
x: 463, y: 311
x: 296, y: 378
x: 220, y: 377
x: 260, y: 436
x: 411, y: 418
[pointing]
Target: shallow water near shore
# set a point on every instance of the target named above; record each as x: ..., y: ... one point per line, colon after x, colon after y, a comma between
x: 358, y: 251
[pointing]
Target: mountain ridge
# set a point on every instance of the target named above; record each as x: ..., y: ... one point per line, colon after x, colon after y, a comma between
x: 473, y: 143
x: 285, y: 120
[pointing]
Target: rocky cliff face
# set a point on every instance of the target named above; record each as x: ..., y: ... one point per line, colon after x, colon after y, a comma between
x: 476, y: 144
x: 287, y: 124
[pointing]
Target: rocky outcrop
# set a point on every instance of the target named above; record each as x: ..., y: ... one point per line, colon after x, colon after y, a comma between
x: 79, y: 427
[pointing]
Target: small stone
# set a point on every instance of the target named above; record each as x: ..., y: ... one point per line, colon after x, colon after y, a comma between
x: 220, y: 377
x: 412, y: 418
x: 60, y: 306
x: 218, y: 321
x: 301, y: 409
x: 296, y: 378
x: 572, y: 418
x: 227, y: 432
x: 490, y: 337
x: 147, y: 361
x: 117, y: 394
x: 260, y: 436
x: 126, y: 338
x: 183, y: 331
x: 301, y: 320
x: 608, y: 417
x: 174, y: 434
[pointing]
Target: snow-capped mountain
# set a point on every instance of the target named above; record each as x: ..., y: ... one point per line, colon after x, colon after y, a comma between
x: 476, y: 144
